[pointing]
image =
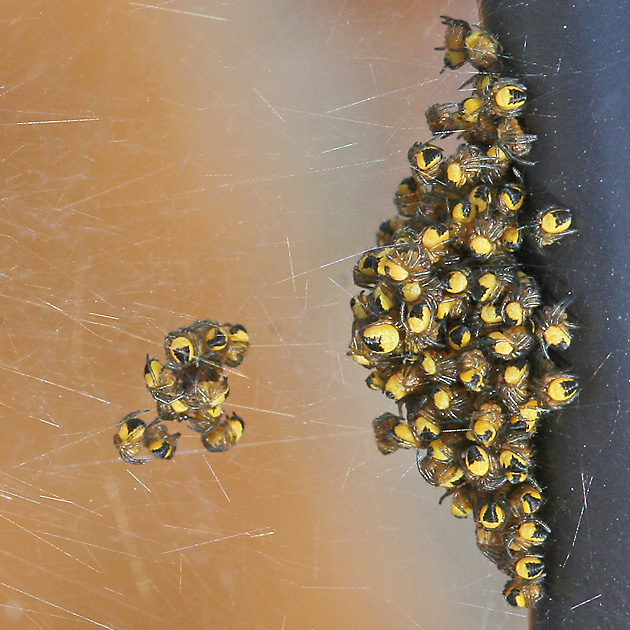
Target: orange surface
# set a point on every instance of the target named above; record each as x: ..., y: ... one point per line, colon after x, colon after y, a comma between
x: 176, y: 160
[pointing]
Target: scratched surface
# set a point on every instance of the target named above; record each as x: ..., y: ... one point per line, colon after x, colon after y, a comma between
x: 169, y: 161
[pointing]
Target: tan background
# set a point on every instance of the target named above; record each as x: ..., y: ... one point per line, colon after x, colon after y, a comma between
x: 176, y: 160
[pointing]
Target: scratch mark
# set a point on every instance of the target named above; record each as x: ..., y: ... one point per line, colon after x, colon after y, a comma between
x: 342, y: 288
x: 273, y: 325
x: 293, y: 440
x: 585, y: 491
x: 181, y: 558
x: 222, y: 538
x: 316, y: 537
x: 39, y: 599
x: 57, y: 269
x: 586, y: 601
x: 345, y: 146
x: 291, y: 345
x: 49, y: 422
x: 217, y: 479
x: 170, y: 10
x: 375, y: 96
x: 270, y: 533
x: 140, y: 482
x: 61, y: 500
x: 315, y: 171
x: 341, y: 588
x: 345, y: 479
x: 111, y: 549
x: 343, y: 380
x: 334, y: 262
x: 503, y: 612
x: 274, y: 413
x: 50, y: 122
x: 469, y: 584
x: 269, y: 105
x: 100, y: 193
x: 74, y: 319
x: 61, y: 448
x: 65, y: 553
x: 291, y: 265
x: 103, y: 315
x: 601, y: 365
x: 43, y: 380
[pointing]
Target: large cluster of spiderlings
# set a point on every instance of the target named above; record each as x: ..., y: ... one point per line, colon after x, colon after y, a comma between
x: 455, y: 331
x: 191, y: 386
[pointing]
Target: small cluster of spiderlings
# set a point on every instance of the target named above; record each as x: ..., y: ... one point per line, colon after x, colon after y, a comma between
x: 191, y: 386
x: 455, y: 331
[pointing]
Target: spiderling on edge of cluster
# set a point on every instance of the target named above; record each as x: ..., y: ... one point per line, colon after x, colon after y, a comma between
x: 189, y: 387
x: 455, y: 331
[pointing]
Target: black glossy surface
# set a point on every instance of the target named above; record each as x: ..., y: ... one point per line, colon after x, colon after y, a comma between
x: 574, y: 59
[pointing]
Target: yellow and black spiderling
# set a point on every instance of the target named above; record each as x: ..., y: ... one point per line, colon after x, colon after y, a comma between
x: 426, y: 161
x: 491, y: 516
x: 381, y: 338
x: 477, y: 460
x: 405, y: 381
x: 486, y: 421
x: 529, y: 567
x: 365, y: 270
x: 528, y: 534
x: 556, y: 390
x: 473, y: 370
x: 513, y: 383
x: 526, y: 499
x: 162, y: 382
x: 445, y: 118
x: 453, y: 327
x: 551, y: 225
x: 135, y: 436
x: 237, y: 345
x: 514, y: 141
x: 553, y: 328
x: 407, y: 197
x: 225, y: 434
x: 509, y: 343
x: 159, y: 442
x: 129, y: 439
x: 454, y: 42
x: 523, y: 594
x: 392, y: 433
x: 482, y: 49
x: 191, y: 386
x: 507, y: 97
x: 461, y: 503
x: 515, y: 459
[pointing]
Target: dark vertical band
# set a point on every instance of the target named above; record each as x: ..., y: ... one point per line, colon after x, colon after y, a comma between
x: 574, y: 58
